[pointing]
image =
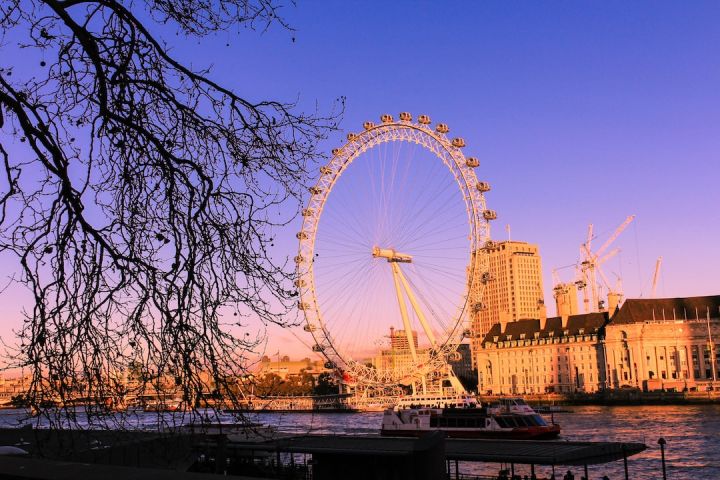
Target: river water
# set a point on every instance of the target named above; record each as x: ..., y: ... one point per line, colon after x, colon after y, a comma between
x: 692, y: 434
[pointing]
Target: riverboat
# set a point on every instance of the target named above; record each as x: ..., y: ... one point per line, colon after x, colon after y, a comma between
x: 165, y: 406
x: 469, y: 422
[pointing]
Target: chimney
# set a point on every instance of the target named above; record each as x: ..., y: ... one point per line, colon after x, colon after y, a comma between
x: 564, y: 321
x: 566, y: 299
x: 614, y: 301
x: 505, y: 318
x: 543, y: 317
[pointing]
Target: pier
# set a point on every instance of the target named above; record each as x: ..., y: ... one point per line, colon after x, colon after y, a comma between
x: 318, y: 457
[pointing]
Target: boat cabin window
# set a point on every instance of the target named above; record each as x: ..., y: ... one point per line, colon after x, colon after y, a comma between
x: 539, y: 420
x: 502, y: 421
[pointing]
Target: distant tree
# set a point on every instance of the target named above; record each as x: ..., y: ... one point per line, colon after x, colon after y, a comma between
x: 140, y: 196
x: 268, y: 384
x: 19, y: 401
x: 326, y: 384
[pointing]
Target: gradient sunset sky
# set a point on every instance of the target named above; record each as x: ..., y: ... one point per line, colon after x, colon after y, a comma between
x: 580, y: 112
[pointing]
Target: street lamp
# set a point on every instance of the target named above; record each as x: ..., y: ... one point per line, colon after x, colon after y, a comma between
x: 661, y: 442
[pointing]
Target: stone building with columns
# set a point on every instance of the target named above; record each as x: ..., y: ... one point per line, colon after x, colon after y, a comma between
x: 650, y: 344
x: 667, y: 343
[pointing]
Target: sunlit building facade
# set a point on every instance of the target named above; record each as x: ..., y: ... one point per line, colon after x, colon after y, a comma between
x: 649, y: 344
x: 284, y: 367
x: 559, y: 354
x: 661, y: 344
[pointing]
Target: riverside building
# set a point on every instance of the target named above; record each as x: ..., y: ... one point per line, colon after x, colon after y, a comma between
x: 668, y: 343
x: 514, y: 290
x: 651, y: 344
x: 559, y: 354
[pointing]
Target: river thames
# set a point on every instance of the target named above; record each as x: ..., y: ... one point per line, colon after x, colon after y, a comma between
x: 692, y: 434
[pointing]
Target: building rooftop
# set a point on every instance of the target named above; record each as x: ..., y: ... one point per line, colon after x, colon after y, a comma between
x: 586, y: 323
x: 636, y: 310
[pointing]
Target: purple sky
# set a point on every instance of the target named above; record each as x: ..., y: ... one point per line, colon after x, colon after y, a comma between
x: 579, y: 112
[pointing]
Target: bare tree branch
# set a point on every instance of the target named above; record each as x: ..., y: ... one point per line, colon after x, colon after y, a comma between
x: 140, y: 198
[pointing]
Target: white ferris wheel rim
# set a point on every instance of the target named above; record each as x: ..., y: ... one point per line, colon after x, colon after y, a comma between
x: 472, y: 191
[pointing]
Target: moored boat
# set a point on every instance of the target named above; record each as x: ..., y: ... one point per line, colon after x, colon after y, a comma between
x: 163, y: 406
x: 471, y: 422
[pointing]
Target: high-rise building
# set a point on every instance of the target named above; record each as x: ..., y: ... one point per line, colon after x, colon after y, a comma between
x: 399, y: 358
x: 514, y: 290
x: 399, y: 339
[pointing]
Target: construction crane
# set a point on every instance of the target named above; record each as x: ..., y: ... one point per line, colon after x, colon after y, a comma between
x: 656, y: 275
x: 590, y: 267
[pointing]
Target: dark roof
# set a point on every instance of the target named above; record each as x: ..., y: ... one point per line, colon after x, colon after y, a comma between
x: 541, y: 452
x: 588, y: 322
x: 41, y: 468
x: 636, y: 310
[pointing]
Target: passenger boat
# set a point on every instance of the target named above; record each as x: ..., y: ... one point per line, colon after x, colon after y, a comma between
x: 469, y: 422
x: 164, y: 406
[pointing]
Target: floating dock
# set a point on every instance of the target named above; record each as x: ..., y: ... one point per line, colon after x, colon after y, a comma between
x: 126, y: 454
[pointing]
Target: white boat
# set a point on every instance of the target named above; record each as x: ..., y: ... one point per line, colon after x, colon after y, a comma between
x: 468, y: 422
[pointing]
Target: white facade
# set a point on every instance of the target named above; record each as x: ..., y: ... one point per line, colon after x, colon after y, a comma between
x: 664, y: 345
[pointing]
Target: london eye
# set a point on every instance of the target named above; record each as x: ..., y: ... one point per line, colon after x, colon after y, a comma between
x: 393, y: 240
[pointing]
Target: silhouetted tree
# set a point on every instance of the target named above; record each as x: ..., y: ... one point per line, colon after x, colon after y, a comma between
x: 326, y: 384
x: 140, y: 197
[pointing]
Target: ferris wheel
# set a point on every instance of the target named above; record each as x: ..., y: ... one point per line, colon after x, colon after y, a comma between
x: 393, y: 257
